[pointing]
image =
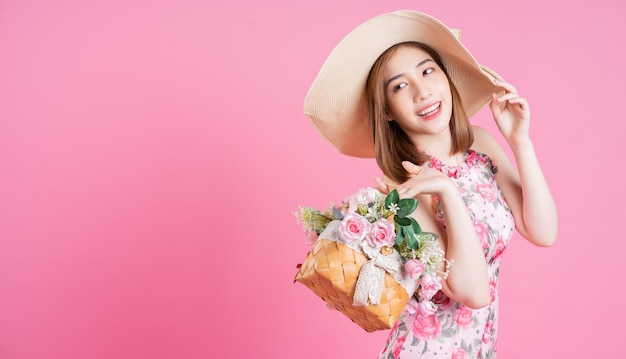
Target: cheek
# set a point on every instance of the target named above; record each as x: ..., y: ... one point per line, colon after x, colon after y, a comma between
x: 397, y: 105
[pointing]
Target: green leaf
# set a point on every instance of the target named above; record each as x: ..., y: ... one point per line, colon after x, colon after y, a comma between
x: 399, y: 234
x: 408, y: 229
x: 407, y: 206
x: 402, y: 221
x: 392, y: 197
x: 399, y: 237
x: 417, y: 229
x: 412, y: 242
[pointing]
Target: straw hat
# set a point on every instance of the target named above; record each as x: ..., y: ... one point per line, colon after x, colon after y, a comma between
x: 336, y: 103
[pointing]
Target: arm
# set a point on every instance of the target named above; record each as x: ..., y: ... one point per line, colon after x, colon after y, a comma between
x: 526, y: 189
x: 467, y: 281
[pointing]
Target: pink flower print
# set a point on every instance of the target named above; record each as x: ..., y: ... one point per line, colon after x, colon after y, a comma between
x: 471, y: 157
x: 463, y: 317
x: 500, y: 247
x: 452, y: 172
x: 488, y: 332
x: 436, y: 163
x: 492, y: 290
x: 354, y: 227
x: 426, y: 308
x: 482, y: 232
x: 459, y: 354
x: 382, y: 233
x: 426, y: 327
x: 397, y: 347
x: 486, y: 192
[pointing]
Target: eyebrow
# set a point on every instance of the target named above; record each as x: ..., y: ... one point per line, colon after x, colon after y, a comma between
x: 402, y: 74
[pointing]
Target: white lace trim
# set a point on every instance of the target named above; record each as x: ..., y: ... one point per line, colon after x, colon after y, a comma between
x: 371, y: 278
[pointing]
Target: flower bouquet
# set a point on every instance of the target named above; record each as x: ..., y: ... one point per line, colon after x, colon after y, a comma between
x: 369, y: 257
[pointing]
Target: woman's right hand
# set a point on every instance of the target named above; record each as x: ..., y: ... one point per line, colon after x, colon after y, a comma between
x: 423, y: 180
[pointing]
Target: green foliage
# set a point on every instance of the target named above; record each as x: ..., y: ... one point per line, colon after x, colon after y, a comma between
x: 409, y: 233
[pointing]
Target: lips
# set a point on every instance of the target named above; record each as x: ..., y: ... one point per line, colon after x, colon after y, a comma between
x: 430, y: 112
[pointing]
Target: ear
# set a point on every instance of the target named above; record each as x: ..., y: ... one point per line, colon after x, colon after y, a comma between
x: 388, y: 115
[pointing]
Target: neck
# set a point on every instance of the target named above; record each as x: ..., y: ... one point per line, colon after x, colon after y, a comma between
x: 434, y: 145
x: 438, y: 146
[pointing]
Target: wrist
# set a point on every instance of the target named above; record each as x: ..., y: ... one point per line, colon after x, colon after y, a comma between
x: 449, y: 191
x: 521, y: 144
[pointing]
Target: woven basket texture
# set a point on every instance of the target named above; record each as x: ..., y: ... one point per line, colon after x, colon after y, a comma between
x: 331, y: 270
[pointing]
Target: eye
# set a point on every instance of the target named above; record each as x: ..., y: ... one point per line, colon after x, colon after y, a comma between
x: 428, y: 71
x: 399, y: 86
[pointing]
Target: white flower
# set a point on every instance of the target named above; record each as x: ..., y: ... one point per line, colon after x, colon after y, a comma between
x: 393, y: 208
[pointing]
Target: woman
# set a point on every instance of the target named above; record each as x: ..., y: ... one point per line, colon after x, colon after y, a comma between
x: 405, y: 84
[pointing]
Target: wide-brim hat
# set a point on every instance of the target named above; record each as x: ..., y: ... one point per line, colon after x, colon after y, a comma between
x: 336, y: 103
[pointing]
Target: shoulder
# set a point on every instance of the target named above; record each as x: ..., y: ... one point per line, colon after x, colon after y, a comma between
x: 484, y: 142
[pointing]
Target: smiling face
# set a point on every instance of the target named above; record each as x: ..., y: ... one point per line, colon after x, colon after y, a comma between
x: 417, y: 92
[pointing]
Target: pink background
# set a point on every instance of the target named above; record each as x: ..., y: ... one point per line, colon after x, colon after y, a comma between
x: 152, y: 154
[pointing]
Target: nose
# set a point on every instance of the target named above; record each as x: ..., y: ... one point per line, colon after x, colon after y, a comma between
x: 421, y: 92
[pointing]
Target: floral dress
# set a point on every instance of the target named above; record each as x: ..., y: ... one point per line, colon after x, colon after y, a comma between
x: 454, y: 330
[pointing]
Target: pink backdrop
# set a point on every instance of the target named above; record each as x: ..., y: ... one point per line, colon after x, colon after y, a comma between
x: 152, y: 154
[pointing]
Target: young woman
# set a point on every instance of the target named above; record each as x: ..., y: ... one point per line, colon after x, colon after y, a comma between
x: 401, y: 88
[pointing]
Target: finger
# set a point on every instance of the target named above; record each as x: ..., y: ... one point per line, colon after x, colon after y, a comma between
x: 381, y: 186
x: 411, y: 167
x: 519, y: 100
x: 508, y: 97
x: 505, y: 85
x: 496, y: 107
x: 406, y: 191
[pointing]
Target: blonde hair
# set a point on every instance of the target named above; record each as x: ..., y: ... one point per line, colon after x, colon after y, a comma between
x: 391, y: 143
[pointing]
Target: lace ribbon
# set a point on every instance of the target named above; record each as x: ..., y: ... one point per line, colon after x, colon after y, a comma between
x: 371, y: 278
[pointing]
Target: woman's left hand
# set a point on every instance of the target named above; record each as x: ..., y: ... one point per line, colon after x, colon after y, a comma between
x: 511, y: 113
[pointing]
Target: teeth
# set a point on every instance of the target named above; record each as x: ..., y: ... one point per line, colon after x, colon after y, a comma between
x: 430, y: 109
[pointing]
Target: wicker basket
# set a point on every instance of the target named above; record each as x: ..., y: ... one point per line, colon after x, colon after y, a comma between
x: 331, y: 270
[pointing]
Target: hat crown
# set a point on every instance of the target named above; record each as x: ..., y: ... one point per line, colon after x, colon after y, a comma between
x: 336, y: 104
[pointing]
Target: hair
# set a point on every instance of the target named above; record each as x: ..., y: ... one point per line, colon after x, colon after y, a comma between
x: 391, y: 143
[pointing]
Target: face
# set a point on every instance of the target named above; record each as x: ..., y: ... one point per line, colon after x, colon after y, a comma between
x: 417, y: 92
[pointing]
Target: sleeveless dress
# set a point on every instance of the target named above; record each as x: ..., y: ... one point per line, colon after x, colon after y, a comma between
x: 456, y: 331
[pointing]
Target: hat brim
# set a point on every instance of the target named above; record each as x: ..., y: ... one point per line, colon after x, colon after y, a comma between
x: 336, y: 103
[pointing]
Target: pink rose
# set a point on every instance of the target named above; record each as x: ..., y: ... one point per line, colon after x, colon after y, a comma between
x: 382, y: 233
x: 463, y: 317
x: 397, y: 347
x: 363, y: 196
x: 442, y: 300
x: 411, y: 306
x: 426, y: 308
x: 459, y: 354
x: 311, y: 237
x: 353, y: 204
x: 500, y: 246
x: 414, y: 268
x: 426, y: 327
x: 354, y: 227
x: 429, y: 286
x: 486, y: 192
x: 482, y: 232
